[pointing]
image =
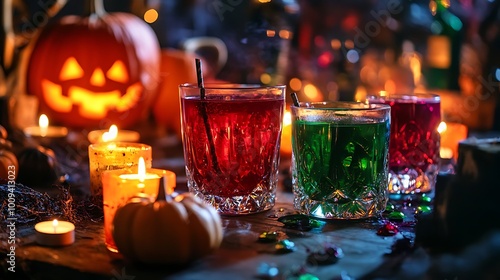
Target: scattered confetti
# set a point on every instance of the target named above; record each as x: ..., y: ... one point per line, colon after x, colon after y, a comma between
x: 388, y: 229
x: 389, y: 208
x: 284, y: 246
x: 426, y: 199
x: 300, y: 222
x: 396, y: 216
x: 268, y: 237
x: 423, y: 209
x: 307, y: 276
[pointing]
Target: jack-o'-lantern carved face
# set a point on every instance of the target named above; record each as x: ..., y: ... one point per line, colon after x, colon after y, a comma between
x: 91, y: 104
x: 91, y: 73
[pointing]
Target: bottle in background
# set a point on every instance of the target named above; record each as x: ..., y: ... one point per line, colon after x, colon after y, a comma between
x: 443, y: 47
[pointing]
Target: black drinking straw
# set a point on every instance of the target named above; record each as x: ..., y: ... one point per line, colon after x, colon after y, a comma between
x: 199, y: 76
x: 295, y: 99
x: 203, y: 109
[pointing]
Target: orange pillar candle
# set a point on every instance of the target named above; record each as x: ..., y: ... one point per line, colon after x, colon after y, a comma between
x: 114, y: 155
x: 119, y: 186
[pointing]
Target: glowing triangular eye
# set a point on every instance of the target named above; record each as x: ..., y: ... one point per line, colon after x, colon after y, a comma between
x: 118, y: 72
x: 71, y: 70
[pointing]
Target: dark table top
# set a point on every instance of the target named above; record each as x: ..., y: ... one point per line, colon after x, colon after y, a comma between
x: 366, y: 254
x: 239, y: 257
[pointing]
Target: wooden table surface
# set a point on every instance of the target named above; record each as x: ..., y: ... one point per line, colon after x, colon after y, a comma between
x: 239, y: 256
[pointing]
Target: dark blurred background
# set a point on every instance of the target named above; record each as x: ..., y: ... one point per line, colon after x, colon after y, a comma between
x: 330, y: 50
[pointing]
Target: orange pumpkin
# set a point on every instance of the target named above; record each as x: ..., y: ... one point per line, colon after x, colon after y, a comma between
x: 3, y: 132
x: 8, y: 165
x: 38, y: 167
x: 97, y: 70
x: 171, y: 231
x: 8, y: 160
x: 177, y: 68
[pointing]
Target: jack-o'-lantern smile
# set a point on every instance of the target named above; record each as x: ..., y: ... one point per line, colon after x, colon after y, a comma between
x: 91, y: 104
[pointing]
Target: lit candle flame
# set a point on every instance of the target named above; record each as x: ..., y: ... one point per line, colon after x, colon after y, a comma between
x: 43, y: 123
x: 441, y: 127
x: 416, y: 69
x: 382, y: 93
x: 54, y: 224
x: 444, y: 152
x: 111, y: 134
x: 360, y: 94
x: 287, y: 119
x: 433, y: 7
x: 141, y: 172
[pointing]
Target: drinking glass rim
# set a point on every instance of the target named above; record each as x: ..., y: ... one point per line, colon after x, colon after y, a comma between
x: 230, y: 86
x: 341, y: 106
x: 104, y: 145
x: 409, y: 97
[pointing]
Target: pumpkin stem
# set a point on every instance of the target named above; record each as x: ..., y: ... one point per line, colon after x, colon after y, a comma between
x: 162, y: 196
x: 97, y: 8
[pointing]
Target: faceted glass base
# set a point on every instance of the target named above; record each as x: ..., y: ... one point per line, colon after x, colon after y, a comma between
x: 260, y: 199
x: 369, y: 205
x: 412, y: 181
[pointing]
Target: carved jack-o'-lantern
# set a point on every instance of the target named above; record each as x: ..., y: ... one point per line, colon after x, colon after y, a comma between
x: 97, y: 70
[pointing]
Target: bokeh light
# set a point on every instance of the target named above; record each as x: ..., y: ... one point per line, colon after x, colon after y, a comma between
x: 336, y: 44
x: 312, y: 92
x: 150, y: 16
x: 265, y: 78
x: 295, y: 84
x: 352, y: 56
x: 285, y: 34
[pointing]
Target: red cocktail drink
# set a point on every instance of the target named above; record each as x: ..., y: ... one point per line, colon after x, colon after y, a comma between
x: 231, y: 145
x: 414, y: 143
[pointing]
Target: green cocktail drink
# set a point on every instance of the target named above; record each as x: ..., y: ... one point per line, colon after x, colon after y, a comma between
x: 340, y: 157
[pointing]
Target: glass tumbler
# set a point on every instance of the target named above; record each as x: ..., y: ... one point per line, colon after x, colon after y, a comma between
x: 231, y: 141
x: 339, y: 159
x: 414, y: 144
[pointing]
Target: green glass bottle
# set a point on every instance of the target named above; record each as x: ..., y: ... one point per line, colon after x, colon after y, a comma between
x: 443, y: 47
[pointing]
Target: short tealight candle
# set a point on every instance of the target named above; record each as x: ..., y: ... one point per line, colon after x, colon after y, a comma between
x: 114, y: 155
x: 55, y: 233
x: 44, y: 130
x: 119, y: 186
x: 121, y: 135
